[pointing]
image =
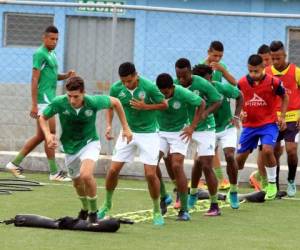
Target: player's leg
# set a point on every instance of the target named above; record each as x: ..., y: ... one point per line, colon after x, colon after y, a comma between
x: 223, y: 183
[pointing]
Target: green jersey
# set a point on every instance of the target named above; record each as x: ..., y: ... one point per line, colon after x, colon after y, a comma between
x: 204, y: 89
x: 216, y: 75
x: 139, y: 121
x: 78, y: 125
x: 45, y: 61
x: 223, y: 115
x: 175, y: 117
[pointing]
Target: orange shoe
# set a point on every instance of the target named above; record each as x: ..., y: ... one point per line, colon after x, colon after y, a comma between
x: 224, y: 184
x: 254, y: 182
x: 202, y: 184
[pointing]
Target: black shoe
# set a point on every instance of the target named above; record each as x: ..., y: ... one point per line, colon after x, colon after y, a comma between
x: 83, y: 214
x: 93, y: 217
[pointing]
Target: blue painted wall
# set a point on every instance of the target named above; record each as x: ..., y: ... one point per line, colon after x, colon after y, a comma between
x: 161, y: 38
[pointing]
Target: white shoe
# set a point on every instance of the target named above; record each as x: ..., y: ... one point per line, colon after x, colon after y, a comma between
x: 59, y: 176
x: 15, y: 170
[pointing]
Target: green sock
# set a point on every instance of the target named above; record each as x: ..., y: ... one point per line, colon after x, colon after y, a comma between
x: 19, y: 158
x: 219, y: 173
x: 108, y: 199
x: 53, y: 166
x: 183, y: 201
x: 193, y: 191
x: 214, y: 198
x: 156, y: 207
x: 92, y: 201
x: 264, y: 182
x: 233, y: 188
x: 174, y: 182
x: 163, y: 191
x: 84, y: 202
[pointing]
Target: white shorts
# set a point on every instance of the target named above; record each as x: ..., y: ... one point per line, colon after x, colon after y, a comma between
x: 171, y: 141
x: 227, y: 138
x: 90, y: 151
x: 41, y: 108
x: 297, y: 138
x: 206, y: 142
x: 146, y: 143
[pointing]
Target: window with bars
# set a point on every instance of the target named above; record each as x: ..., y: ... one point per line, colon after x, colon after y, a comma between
x: 25, y: 30
x: 294, y: 45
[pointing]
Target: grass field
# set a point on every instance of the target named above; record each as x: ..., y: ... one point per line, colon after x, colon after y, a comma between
x: 272, y: 225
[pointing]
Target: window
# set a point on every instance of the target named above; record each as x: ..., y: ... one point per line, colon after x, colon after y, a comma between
x: 25, y: 30
x: 294, y: 45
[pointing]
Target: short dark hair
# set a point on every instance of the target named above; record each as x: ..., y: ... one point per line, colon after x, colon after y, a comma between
x: 51, y: 29
x: 263, y: 49
x: 126, y: 69
x: 183, y: 63
x: 75, y: 83
x: 164, y: 81
x: 216, y: 45
x: 276, y: 45
x: 255, y: 60
x: 202, y: 70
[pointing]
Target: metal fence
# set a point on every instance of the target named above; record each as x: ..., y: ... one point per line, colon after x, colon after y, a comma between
x: 95, y: 38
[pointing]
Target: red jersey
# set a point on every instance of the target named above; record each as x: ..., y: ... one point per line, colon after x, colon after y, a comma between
x: 259, y: 101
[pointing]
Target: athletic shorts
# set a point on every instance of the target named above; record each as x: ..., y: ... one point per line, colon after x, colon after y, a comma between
x: 91, y: 151
x: 227, y: 138
x: 290, y: 133
x: 206, y: 142
x: 250, y: 136
x: 171, y: 141
x: 146, y: 143
x: 41, y: 108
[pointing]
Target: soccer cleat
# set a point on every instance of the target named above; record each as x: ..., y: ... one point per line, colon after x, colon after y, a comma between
x: 164, y: 203
x: 158, y: 219
x: 234, y: 200
x: 224, y: 185
x: 214, y: 210
x: 183, y: 216
x: 192, y: 200
x: 291, y: 188
x: 177, y: 203
x: 15, y: 170
x: 281, y: 194
x: 271, y: 192
x: 92, y: 217
x: 102, y: 212
x: 254, y: 181
x: 59, y: 176
x: 83, y: 214
x: 202, y: 184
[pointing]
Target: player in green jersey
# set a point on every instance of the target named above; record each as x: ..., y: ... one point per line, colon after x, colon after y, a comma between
x: 77, y: 114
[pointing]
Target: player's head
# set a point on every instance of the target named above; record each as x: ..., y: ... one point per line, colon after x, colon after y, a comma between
x: 183, y: 71
x: 203, y: 70
x: 50, y: 37
x: 256, y: 67
x: 278, y: 54
x: 165, y: 84
x: 128, y: 75
x: 265, y: 52
x: 215, y: 51
x: 75, y: 91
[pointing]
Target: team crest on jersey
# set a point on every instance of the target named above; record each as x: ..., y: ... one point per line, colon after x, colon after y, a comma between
x: 196, y: 91
x: 256, y: 101
x: 142, y: 95
x: 88, y: 112
x: 176, y: 105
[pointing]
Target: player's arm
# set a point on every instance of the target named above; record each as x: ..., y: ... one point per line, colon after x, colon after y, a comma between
x: 64, y: 76
x: 49, y: 137
x: 214, y: 98
x: 280, y: 91
x: 225, y: 72
x: 117, y: 106
x: 34, y: 92
x: 298, y: 82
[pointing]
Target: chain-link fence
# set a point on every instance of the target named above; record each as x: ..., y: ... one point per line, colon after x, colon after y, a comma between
x: 95, y: 39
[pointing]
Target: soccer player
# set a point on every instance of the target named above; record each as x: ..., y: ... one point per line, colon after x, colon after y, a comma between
x: 214, y: 60
x: 259, y: 118
x: 289, y: 74
x: 43, y: 90
x: 226, y: 126
x: 204, y: 134
x: 265, y: 53
x: 140, y: 99
x: 175, y: 132
x: 77, y: 114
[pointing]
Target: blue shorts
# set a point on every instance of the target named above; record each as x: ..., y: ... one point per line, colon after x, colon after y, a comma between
x: 249, y: 137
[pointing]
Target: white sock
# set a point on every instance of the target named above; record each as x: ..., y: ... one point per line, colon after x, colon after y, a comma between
x: 271, y: 173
